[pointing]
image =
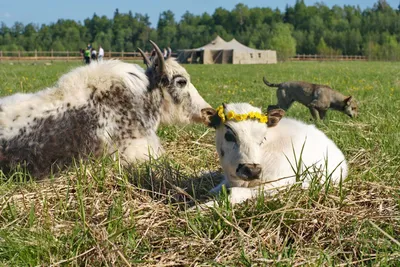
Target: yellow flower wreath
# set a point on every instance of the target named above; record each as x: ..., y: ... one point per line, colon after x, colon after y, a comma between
x: 252, y: 115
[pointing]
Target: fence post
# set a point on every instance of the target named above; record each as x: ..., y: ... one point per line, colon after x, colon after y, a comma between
x: 122, y: 54
x: 52, y: 53
x: 67, y: 55
x: 109, y: 53
x: 1, y: 55
x: 35, y: 54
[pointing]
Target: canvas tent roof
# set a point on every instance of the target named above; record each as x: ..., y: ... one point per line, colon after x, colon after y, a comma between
x: 238, y: 46
x: 220, y: 44
x: 216, y: 44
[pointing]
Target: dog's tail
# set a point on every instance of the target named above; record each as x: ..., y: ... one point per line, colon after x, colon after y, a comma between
x: 270, y: 84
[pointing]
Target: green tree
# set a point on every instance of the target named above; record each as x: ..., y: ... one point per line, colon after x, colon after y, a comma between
x: 283, y: 42
x: 166, y: 28
x: 325, y: 50
x: 345, y: 29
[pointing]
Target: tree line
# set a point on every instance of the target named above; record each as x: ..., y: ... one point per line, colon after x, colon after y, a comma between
x: 301, y: 29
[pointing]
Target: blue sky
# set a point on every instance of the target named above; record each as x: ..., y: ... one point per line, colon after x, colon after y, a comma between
x: 45, y: 11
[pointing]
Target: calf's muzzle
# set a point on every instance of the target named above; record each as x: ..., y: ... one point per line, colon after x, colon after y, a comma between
x: 248, y: 171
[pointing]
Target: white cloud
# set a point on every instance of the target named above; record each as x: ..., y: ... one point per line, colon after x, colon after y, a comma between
x: 5, y: 15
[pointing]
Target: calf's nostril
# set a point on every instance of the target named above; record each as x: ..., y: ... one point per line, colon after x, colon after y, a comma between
x: 251, y: 171
x: 247, y: 171
x: 256, y: 171
x: 239, y: 167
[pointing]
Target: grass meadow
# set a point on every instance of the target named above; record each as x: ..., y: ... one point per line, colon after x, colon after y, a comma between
x: 100, y: 214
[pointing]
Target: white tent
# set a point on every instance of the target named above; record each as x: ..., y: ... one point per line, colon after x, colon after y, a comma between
x: 219, y: 51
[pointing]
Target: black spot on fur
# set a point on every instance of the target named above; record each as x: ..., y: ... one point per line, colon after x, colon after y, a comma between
x: 120, y: 101
x: 222, y: 152
x: 53, y: 142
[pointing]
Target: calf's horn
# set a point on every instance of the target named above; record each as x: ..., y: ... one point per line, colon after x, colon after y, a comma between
x: 146, y: 59
x: 161, y: 63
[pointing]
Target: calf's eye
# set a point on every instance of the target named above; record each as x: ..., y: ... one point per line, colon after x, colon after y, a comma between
x: 182, y: 83
x: 230, y: 137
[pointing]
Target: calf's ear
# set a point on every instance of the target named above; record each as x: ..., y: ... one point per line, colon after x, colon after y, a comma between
x: 274, y: 116
x: 210, y: 117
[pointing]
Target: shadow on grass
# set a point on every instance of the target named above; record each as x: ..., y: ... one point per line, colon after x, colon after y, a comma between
x: 164, y: 180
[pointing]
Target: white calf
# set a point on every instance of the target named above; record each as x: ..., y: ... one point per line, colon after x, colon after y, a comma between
x: 256, y: 154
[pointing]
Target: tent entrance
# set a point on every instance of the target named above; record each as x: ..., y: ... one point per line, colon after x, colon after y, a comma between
x: 191, y: 57
x: 222, y: 56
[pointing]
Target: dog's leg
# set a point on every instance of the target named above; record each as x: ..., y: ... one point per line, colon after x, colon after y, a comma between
x: 314, y: 112
x: 284, y: 100
x: 322, y: 113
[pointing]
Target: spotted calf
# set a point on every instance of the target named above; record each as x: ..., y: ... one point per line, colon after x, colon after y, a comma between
x: 105, y: 107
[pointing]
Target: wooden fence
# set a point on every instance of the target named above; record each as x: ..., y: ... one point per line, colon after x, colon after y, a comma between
x: 76, y: 55
x: 63, y: 55
x: 328, y: 58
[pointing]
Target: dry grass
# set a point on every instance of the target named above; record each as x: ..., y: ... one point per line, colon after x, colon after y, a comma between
x: 103, y: 214
x: 99, y: 214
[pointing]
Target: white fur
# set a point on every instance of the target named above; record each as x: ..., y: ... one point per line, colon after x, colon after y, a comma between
x: 278, y: 150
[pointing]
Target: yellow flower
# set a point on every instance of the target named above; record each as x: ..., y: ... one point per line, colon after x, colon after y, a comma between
x: 238, y: 117
x: 220, y: 111
x: 230, y: 115
x: 264, y: 119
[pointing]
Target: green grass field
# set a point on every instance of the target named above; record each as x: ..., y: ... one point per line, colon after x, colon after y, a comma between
x: 102, y: 215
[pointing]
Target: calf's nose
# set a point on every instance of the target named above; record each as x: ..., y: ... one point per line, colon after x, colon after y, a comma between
x: 249, y: 170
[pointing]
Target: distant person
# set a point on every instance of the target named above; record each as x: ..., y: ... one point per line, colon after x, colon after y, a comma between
x: 87, y: 55
x: 94, y: 54
x: 101, y: 54
x: 89, y: 46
